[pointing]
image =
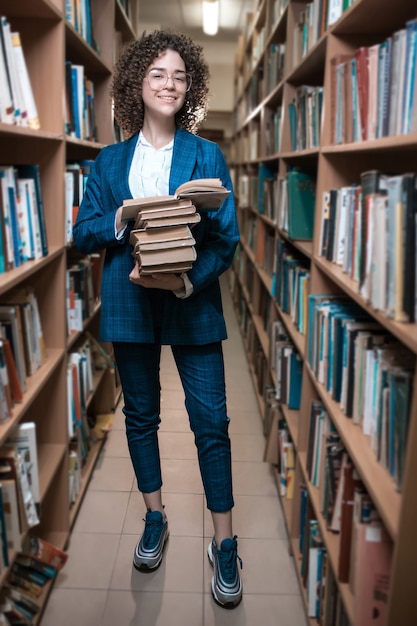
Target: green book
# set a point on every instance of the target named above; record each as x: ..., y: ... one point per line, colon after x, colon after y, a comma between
x: 301, y: 204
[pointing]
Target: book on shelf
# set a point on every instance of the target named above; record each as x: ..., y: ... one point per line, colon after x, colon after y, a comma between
x: 351, y: 483
x: 12, y: 330
x: 301, y: 191
x: 33, y: 340
x: 32, y: 171
x: 22, y: 602
x: 9, y: 492
x: 44, y: 551
x: 13, y: 466
x: 372, y: 574
x: 24, y: 438
x: 207, y: 194
x: 29, y: 104
x: 315, y: 564
x: 19, y: 104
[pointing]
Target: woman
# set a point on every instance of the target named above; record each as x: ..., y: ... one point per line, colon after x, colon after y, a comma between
x: 160, y: 90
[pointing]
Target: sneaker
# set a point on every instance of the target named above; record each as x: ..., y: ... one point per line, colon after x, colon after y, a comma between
x: 150, y: 547
x: 226, y: 585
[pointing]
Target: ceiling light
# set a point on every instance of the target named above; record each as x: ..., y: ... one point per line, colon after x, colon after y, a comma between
x: 210, y: 16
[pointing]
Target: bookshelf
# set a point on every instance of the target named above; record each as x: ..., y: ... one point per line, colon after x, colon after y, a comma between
x: 286, y: 47
x: 48, y: 40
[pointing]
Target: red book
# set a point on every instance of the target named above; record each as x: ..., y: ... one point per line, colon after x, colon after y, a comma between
x: 372, y: 574
x: 351, y: 482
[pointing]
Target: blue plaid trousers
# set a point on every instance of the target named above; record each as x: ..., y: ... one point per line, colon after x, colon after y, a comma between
x: 201, y: 369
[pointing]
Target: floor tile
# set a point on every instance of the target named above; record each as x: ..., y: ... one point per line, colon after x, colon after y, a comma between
x: 185, y: 514
x: 116, y: 444
x: 173, y: 445
x: 181, y: 476
x: 90, y: 562
x: 67, y: 607
x: 102, y: 511
x: 254, y: 517
x: 112, y: 474
x: 253, y: 479
x: 247, y: 447
x: 153, y: 608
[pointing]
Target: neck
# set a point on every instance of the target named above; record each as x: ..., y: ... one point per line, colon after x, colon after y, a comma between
x: 158, y: 135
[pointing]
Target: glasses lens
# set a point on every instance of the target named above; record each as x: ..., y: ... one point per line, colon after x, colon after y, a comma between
x: 158, y: 79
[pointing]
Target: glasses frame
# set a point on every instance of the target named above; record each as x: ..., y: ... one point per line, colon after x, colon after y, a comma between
x: 168, y: 77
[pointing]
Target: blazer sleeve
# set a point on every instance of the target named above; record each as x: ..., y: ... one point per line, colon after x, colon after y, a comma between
x: 94, y: 228
x: 219, y: 233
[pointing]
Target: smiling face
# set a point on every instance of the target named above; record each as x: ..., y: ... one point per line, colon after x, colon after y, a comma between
x: 164, y: 100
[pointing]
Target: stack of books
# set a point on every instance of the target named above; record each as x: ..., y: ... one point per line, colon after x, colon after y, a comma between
x: 161, y: 236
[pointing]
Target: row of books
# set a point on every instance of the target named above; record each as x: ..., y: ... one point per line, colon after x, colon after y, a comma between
x: 76, y: 176
x: 23, y: 235
x: 273, y: 131
x: 17, y: 102
x: 275, y: 65
x: 36, y: 565
x: 286, y: 460
x: 80, y: 117
x: 374, y: 90
x: 78, y: 14
x: 367, y: 371
x: 305, y: 117
x: 84, y: 363
x: 19, y: 489
x: 369, y: 229
x: 288, y: 201
x: 312, y: 23
x: 371, y: 551
x: 291, y: 284
x: 23, y: 350
x: 82, y: 284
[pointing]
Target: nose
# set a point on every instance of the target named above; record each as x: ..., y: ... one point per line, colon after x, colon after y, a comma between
x: 172, y: 85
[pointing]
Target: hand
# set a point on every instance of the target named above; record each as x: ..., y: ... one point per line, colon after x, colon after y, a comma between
x: 160, y: 280
x: 119, y: 224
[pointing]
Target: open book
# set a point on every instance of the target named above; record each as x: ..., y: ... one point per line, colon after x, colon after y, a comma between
x: 206, y: 194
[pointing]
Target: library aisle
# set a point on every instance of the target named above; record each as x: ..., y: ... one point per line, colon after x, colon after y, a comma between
x: 100, y: 587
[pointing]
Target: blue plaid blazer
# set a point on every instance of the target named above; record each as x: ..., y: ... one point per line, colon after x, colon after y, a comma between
x: 128, y: 310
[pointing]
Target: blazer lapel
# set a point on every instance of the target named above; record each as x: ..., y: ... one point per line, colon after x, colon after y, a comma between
x: 184, y: 158
x: 121, y: 169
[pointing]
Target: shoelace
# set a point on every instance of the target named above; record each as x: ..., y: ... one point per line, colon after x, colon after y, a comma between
x: 228, y: 560
x: 151, y: 532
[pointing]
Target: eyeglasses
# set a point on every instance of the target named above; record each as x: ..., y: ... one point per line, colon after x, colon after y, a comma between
x: 158, y: 79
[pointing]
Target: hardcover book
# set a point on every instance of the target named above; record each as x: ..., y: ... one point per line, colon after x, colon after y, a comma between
x: 207, y: 194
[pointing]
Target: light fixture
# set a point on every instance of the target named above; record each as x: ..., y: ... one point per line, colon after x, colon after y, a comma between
x: 210, y: 16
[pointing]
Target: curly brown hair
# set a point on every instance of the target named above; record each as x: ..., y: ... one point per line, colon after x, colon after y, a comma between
x: 130, y: 70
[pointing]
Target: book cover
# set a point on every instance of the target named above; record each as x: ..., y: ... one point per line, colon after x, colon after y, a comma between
x: 372, y: 574
x: 33, y: 171
x: 44, y: 551
x: 24, y: 438
x: 206, y: 194
x: 301, y: 189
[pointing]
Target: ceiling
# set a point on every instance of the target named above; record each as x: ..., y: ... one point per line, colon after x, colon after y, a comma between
x: 186, y: 16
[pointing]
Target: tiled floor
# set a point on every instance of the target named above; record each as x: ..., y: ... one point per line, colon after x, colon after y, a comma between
x: 100, y: 587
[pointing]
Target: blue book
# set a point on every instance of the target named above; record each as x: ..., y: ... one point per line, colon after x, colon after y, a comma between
x: 296, y: 376
x: 33, y: 171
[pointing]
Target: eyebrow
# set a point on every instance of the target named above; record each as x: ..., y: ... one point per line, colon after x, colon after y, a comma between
x: 164, y: 69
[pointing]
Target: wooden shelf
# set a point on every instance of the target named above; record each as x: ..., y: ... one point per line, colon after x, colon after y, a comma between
x: 257, y: 98
x: 48, y: 40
